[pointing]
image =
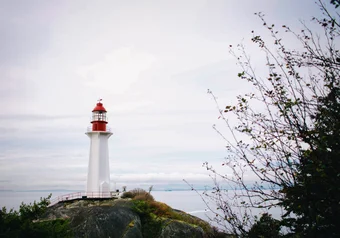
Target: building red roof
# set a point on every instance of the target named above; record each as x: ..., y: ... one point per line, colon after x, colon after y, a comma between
x: 99, y: 108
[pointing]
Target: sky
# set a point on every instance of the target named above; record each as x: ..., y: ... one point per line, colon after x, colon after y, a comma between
x: 150, y: 61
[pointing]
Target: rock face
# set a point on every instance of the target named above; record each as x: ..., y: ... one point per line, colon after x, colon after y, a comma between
x: 115, y: 219
x: 176, y: 229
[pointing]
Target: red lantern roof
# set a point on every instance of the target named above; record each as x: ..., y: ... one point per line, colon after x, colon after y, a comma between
x: 99, y: 108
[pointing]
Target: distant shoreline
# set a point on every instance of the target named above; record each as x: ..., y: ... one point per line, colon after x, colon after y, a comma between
x: 65, y: 190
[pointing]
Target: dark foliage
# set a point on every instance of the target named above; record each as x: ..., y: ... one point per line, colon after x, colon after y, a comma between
x: 266, y: 227
x: 25, y: 223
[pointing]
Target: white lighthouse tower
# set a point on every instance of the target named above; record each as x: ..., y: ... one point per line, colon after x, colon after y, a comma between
x: 98, y: 176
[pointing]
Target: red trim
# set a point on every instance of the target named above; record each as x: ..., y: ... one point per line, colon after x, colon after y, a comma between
x: 98, y: 125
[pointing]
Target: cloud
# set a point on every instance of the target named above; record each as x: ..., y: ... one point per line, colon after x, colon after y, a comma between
x: 151, y: 63
x: 118, y: 71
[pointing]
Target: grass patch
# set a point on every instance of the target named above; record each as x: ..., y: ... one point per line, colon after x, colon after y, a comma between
x: 151, y: 224
x: 154, y: 215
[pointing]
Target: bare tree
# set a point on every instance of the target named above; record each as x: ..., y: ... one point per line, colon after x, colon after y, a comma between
x: 278, y: 128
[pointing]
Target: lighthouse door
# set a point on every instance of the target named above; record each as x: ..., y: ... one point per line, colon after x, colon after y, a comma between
x: 105, y: 189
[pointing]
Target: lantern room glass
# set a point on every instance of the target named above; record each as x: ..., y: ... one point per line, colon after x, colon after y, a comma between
x: 99, y: 116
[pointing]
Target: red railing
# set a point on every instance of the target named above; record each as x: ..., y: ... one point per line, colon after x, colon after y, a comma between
x: 81, y: 195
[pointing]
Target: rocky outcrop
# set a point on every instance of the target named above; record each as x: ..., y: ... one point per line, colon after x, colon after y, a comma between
x: 179, y: 229
x: 118, y: 219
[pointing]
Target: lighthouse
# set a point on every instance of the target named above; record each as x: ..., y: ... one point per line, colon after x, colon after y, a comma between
x: 98, y: 176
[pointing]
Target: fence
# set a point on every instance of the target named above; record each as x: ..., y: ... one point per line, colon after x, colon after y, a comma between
x: 81, y: 195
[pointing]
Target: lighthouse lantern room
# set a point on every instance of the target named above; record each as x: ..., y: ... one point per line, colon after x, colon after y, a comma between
x: 98, y: 176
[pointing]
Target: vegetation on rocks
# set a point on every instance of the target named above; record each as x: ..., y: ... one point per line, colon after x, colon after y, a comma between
x: 138, y: 194
x: 155, y: 216
x: 134, y: 216
x: 23, y: 223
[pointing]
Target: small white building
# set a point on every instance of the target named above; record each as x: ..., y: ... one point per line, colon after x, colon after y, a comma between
x: 98, y: 176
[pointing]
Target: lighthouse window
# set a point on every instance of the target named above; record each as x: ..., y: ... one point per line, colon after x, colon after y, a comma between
x: 98, y: 116
x: 94, y: 117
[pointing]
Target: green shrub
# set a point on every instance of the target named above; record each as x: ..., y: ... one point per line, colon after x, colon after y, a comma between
x: 25, y: 223
x: 265, y: 227
x: 151, y: 224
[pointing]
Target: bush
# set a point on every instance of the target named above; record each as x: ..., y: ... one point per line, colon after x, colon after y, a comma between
x: 265, y: 227
x: 25, y: 223
x: 151, y: 225
x: 144, y: 197
x: 138, y: 194
x: 127, y: 195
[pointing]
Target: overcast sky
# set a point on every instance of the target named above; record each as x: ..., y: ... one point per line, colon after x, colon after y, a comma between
x: 150, y: 61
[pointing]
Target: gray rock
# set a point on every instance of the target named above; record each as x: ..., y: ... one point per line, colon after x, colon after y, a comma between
x: 178, y: 229
x: 117, y: 219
